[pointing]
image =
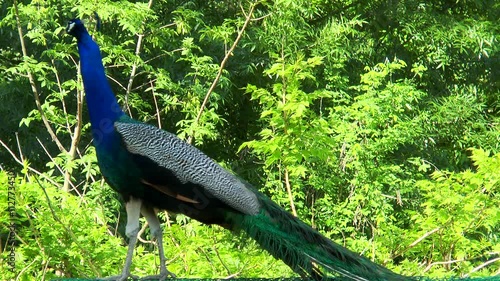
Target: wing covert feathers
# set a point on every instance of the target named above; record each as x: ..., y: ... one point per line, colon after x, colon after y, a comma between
x: 188, y: 164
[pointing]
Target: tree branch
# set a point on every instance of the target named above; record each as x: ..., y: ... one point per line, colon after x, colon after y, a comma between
x: 21, y: 162
x: 156, y: 106
x: 33, y: 84
x: 289, y: 191
x: 414, y: 243
x: 138, y: 47
x: 222, y: 65
x: 53, y: 160
x: 77, y: 132
x: 481, y: 266
x: 285, y: 117
x: 442, y: 262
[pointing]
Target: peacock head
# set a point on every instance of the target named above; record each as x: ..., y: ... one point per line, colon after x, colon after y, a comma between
x: 75, y: 27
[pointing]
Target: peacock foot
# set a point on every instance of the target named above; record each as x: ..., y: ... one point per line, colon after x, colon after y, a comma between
x: 160, y: 277
x: 121, y: 277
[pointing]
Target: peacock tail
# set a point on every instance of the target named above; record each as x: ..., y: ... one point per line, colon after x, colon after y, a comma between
x: 304, y: 249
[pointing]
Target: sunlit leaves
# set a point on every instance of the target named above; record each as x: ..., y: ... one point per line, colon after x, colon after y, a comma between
x: 370, y: 109
x: 464, y: 206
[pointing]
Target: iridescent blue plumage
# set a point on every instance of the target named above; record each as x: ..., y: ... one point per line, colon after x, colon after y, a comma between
x: 152, y: 168
x: 102, y: 104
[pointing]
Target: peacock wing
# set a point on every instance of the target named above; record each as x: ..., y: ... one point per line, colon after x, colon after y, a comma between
x: 187, y: 164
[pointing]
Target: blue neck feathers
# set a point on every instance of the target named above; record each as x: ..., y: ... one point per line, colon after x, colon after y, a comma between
x: 101, y: 102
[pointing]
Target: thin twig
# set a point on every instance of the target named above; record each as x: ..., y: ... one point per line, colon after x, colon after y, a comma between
x: 19, y: 148
x: 144, y: 84
x: 427, y: 234
x: 59, y: 85
x: 289, y: 191
x: 263, y: 17
x: 116, y: 81
x: 162, y: 27
x: 138, y: 46
x: 414, y: 243
x: 156, y: 105
x: 55, y: 163
x: 481, y: 266
x: 31, y: 79
x: 47, y: 262
x: 222, y: 65
x: 313, y: 210
x: 442, y: 262
x: 21, y: 162
x: 243, y: 267
x: 63, y: 172
x: 139, y: 234
x: 207, y: 257
x: 161, y: 55
x: 24, y: 269
x: 219, y: 257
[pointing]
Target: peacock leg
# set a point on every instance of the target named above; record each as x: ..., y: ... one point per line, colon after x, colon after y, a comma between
x: 133, y: 208
x: 154, y: 226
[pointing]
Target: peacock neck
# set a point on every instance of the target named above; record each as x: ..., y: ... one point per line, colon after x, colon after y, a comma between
x: 101, y: 102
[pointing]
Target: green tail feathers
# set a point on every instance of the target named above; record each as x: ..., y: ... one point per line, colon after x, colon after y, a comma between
x: 305, y: 250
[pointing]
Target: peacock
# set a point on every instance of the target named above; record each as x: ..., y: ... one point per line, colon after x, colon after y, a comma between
x: 154, y: 169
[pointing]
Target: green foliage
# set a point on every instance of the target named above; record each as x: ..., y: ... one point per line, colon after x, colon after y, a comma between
x: 461, y: 209
x: 66, y: 235
x: 49, y: 233
x: 376, y: 121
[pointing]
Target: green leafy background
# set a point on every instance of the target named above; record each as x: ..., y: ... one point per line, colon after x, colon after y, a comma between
x: 376, y: 122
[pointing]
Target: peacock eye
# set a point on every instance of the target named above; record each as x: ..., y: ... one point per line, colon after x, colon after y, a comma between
x: 71, y: 25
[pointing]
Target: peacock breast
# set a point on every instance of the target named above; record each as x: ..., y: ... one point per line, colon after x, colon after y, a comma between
x: 118, y: 169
